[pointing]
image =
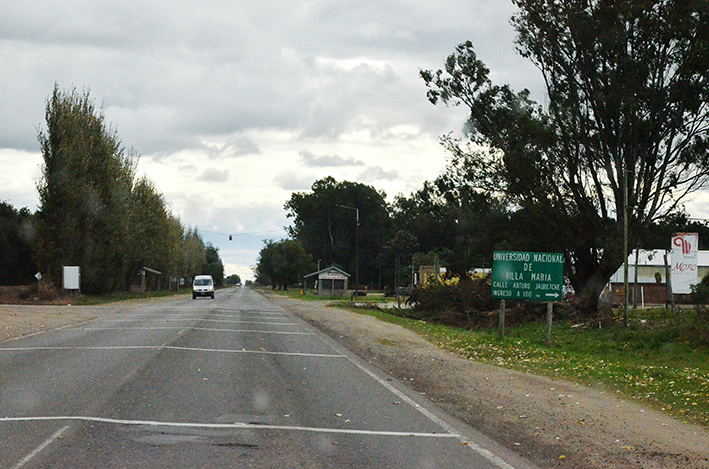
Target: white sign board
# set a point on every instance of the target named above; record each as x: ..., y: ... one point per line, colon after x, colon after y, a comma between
x: 685, y: 247
x: 72, y: 277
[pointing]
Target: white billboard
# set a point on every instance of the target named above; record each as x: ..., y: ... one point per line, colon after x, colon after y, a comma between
x: 72, y: 277
x: 685, y: 247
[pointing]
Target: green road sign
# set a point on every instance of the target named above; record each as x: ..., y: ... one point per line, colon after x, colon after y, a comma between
x: 532, y: 276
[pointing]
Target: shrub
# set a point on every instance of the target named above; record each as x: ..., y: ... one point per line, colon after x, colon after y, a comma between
x: 463, y: 304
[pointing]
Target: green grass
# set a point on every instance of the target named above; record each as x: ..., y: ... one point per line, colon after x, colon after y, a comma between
x: 662, y: 359
x: 372, y: 297
x: 669, y: 373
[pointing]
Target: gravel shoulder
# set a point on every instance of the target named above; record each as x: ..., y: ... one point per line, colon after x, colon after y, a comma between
x: 553, y: 423
x: 25, y: 319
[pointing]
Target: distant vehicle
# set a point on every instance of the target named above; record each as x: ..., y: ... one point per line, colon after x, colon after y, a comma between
x: 203, y: 285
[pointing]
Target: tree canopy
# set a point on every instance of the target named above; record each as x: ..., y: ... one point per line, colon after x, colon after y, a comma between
x: 628, y: 89
x: 325, y: 223
x: 282, y: 263
x: 213, y: 264
x: 86, y: 182
x: 17, y: 265
x: 95, y: 214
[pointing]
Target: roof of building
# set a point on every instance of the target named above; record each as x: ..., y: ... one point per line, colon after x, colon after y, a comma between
x: 328, y: 269
x: 655, y: 257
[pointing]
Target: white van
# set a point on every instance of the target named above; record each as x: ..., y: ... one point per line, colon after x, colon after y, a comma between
x: 203, y: 285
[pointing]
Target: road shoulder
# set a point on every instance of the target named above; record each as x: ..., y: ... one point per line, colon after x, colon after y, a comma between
x: 553, y: 423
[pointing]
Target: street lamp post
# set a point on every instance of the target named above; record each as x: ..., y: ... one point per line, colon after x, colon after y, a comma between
x: 625, y: 245
x: 356, y: 247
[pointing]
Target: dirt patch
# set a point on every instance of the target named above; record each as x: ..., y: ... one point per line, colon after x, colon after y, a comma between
x: 553, y: 423
x: 21, y: 320
x: 36, y: 294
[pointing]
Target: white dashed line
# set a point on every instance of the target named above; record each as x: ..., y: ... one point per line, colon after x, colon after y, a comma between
x: 41, y: 447
x: 206, y: 329
x: 172, y: 347
x: 219, y: 426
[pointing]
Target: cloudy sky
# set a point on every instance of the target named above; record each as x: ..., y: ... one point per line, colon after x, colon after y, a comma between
x: 233, y: 106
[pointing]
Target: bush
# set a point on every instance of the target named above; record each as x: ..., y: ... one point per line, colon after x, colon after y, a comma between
x: 463, y: 304
x: 43, y: 292
x: 699, y: 330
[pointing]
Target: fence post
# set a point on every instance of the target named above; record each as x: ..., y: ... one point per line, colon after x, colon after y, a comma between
x: 550, y: 312
x: 501, y: 318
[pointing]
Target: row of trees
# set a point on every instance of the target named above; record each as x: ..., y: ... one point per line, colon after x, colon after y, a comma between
x: 95, y: 213
x: 624, y: 136
x: 16, y: 229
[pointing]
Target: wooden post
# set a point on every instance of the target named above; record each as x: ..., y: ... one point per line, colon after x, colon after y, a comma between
x: 668, y: 276
x: 501, y: 318
x: 550, y: 311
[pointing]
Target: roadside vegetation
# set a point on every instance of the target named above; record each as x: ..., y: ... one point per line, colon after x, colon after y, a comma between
x: 657, y: 360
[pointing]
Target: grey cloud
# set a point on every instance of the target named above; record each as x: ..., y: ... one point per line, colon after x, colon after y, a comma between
x: 232, y: 148
x: 376, y: 173
x: 327, y: 161
x: 291, y: 181
x: 170, y: 76
x: 214, y: 175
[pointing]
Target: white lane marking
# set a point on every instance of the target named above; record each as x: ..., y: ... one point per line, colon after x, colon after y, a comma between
x: 265, y: 352
x: 207, y: 329
x: 41, y: 447
x: 489, y: 455
x: 167, y: 317
x: 171, y: 347
x: 214, y: 320
x: 227, y: 426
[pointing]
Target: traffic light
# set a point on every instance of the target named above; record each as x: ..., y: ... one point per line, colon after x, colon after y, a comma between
x: 229, y: 237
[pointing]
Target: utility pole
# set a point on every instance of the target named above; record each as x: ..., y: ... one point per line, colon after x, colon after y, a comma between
x: 626, y: 320
x: 356, y: 248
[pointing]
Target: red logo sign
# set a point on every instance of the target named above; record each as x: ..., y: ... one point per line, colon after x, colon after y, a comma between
x: 684, y: 244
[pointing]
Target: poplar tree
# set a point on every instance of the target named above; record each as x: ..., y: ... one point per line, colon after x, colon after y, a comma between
x: 84, y: 194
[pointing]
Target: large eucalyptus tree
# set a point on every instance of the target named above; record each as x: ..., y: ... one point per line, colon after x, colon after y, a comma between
x: 628, y: 107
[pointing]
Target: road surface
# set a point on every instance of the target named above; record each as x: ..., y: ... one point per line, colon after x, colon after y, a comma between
x: 231, y: 382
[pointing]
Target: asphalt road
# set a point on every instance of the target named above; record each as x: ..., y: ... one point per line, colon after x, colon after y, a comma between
x: 231, y: 382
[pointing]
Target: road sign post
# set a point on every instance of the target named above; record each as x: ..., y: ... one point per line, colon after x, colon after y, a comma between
x: 529, y: 276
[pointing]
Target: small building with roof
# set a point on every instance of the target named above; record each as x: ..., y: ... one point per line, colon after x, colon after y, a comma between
x: 329, y: 281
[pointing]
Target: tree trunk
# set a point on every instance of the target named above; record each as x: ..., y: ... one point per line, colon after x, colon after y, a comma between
x: 587, y: 300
